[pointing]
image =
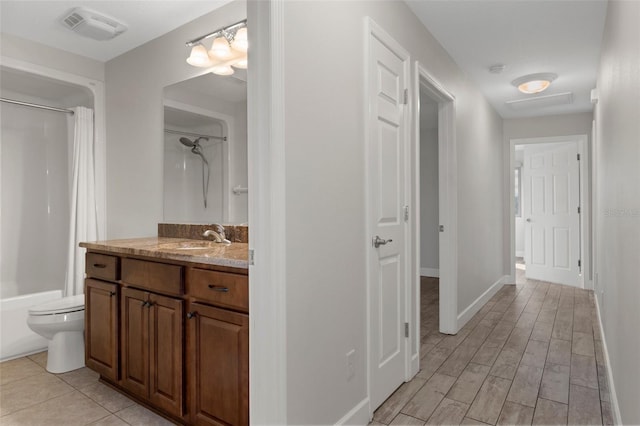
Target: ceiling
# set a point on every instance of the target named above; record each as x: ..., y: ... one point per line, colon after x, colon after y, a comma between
x: 146, y: 19
x: 528, y: 36
x: 225, y: 88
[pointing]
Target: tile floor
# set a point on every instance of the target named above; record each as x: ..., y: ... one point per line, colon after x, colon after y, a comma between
x: 29, y: 395
x: 531, y: 355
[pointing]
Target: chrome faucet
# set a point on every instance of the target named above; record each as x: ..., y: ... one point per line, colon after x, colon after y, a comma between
x: 217, y: 234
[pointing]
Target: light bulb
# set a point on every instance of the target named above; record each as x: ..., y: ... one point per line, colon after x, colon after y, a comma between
x: 534, y: 86
x: 241, y: 63
x: 240, y: 41
x: 534, y: 83
x: 199, y: 56
x: 222, y: 70
x: 220, y: 48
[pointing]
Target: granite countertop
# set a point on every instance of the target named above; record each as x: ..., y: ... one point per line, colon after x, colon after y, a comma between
x: 183, y: 249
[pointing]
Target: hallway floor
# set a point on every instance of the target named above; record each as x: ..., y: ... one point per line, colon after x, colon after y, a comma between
x: 29, y: 395
x: 531, y: 355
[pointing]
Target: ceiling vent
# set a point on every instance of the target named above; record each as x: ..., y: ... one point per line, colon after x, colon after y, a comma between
x: 93, y: 24
x: 541, y: 101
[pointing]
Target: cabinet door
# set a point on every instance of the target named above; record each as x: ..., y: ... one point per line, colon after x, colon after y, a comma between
x: 101, y: 328
x: 165, y: 353
x: 219, y: 366
x: 135, y: 341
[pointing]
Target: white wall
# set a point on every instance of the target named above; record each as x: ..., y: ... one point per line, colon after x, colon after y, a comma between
x: 135, y: 82
x: 325, y: 209
x: 429, y: 218
x: 617, y: 206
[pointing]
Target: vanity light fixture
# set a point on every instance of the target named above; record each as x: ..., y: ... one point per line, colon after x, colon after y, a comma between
x: 534, y: 83
x: 199, y: 56
x: 228, y: 51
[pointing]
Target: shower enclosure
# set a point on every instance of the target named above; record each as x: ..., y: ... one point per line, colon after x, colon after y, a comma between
x: 37, y: 137
x: 195, y: 167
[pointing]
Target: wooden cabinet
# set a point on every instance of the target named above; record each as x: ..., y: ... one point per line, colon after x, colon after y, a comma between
x: 219, y: 366
x: 152, y: 341
x: 101, y: 327
x: 192, y: 365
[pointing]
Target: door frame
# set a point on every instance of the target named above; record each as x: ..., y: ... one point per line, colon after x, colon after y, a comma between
x: 585, y: 201
x: 447, y: 199
x: 267, y: 214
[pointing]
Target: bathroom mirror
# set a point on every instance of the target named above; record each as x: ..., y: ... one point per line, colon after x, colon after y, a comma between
x: 205, y: 150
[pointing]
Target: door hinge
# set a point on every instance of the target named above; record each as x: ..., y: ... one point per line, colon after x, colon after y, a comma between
x: 578, y: 157
x: 406, y: 213
x: 406, y: 97
x: 579, y: 263
x: 406, y: 329
x: 578, y: 209
x: 441, y: 228
x: 251, y: 257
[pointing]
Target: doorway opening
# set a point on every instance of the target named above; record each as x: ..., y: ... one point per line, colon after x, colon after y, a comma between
x: 550, y: 210
x: 435, y: 228
x: 429, y: 216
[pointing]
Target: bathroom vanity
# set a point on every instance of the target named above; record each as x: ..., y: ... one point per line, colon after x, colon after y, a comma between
x: 167, y: 323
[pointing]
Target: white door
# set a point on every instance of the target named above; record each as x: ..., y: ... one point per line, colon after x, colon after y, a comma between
x: 550, y: 209
x: 387, y: 127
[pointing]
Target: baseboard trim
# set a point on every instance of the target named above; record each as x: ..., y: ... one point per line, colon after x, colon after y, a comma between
x: 613, y: 397
x: 358, y: 415
x: 473, y: 308
x: 430, y: 272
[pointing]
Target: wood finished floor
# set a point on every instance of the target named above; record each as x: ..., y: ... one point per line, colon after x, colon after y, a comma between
x: 531, y: 355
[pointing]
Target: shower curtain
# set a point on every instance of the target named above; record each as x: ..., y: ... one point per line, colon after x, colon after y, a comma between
x: 83, y: 218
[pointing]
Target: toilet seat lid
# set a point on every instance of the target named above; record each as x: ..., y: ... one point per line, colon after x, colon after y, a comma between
x: 64, y: 305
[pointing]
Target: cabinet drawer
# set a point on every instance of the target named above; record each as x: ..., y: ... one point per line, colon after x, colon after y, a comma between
x: 102, y: 266
x: 219, y: 288
x: 154, y: 276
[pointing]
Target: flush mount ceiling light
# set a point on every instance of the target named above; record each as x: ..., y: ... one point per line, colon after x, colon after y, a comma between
x: 534, y: 83
x: 228, y: 50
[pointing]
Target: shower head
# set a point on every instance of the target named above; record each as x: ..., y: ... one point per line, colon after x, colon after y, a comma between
x: 192, y: 144
x: 188, y: 142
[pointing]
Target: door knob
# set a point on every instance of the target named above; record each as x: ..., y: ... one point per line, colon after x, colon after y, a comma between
x: 377, y: 241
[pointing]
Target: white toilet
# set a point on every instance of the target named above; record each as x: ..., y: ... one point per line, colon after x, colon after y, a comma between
x: 62, y: 322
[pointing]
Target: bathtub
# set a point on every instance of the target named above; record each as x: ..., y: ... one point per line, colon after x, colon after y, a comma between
x: 16, y: 338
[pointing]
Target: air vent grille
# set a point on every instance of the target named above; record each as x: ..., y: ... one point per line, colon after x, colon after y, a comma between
x: 73, y: 20
x: 92, y: 24
x: 541, y: 101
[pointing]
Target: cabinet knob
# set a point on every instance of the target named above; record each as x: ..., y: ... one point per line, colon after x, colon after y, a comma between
x: 112, y: 293
x: 191, y: 315
x: 218, y: 288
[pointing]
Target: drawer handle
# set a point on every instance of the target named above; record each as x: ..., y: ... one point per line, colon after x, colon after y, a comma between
x: 218, y: 288
x: 191, y: 315
x: 99, y: 265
